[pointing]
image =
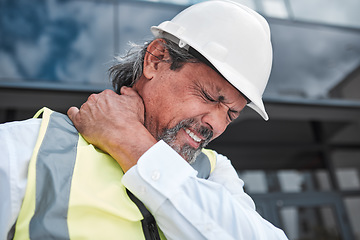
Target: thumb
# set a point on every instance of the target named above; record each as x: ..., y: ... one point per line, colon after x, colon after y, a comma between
x: 72, y: 112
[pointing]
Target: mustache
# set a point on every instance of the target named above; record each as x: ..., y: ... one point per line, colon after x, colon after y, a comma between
x: 169, y: 135
x: 203, y: 131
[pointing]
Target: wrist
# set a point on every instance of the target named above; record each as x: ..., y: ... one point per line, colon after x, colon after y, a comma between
x: 127, y: 148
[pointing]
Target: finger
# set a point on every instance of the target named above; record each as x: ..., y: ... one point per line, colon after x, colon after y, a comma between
x: 128, y: 91
x: 72, y: 112
x: 108, y: 92
x: 123, y: 90
x: 93, y: 98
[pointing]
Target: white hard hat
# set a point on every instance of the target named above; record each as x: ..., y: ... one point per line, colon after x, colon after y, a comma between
x: 233, y: 38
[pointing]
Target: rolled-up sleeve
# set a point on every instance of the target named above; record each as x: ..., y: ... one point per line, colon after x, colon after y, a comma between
x: 187, y: 207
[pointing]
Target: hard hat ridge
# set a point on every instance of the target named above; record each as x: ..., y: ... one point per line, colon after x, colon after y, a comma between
x: 232, y: 37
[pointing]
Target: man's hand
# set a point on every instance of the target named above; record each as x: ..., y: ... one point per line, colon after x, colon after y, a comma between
x: 115, y: 124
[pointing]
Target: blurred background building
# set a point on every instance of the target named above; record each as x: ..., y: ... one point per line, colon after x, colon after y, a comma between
x: 302, y: 167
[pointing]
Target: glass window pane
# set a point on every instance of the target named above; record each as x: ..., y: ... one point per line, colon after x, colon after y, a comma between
x: 347, y: 169
x: 323, y: 180
x: 352, y: 205
x: 56, y: 41
x: 248, y: 3
x: 291, y: 181
x: 255, y: 181
x: 183, y: 2
x: 275, y: 8
x: 137, y: 29
x: 348, y: 178
x: 310, y: 223
x: 345, y: 13
x: 302, y: 181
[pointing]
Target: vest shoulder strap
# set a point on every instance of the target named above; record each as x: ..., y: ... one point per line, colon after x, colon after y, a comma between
x: 205, y: 163
x: 211, y: 154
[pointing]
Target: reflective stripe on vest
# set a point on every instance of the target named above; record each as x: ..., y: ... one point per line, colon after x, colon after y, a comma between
x: 74, y: 190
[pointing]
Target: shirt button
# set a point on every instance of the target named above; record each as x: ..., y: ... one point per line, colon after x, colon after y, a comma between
x: 155, y: 175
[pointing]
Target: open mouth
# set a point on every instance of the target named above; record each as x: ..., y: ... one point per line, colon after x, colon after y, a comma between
x: 193, y: 135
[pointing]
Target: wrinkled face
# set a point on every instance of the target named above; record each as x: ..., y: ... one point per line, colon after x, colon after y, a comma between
x: 188, y: 107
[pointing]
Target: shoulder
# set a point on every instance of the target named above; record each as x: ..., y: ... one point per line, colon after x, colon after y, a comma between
x: 19, y: 136
x: 31, y: 124
x: 215, y: 157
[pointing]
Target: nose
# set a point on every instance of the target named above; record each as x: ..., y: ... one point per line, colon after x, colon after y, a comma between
x: 216, y: 120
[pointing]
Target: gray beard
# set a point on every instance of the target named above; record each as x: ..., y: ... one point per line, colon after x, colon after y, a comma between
x: 186, y: 151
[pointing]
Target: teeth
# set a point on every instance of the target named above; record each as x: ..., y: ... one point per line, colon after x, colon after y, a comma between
x: 192, y: 135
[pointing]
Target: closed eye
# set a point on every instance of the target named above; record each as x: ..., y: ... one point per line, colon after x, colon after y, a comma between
x: 207, y: 96
x: 232, y: 114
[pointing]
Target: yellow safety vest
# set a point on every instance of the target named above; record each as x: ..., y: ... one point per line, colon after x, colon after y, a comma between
x: 74, y: 190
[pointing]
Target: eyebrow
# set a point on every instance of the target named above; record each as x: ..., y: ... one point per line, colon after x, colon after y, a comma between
x: 222, y: 99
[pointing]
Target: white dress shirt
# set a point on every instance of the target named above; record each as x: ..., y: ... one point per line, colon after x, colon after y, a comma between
x: 184, y: 206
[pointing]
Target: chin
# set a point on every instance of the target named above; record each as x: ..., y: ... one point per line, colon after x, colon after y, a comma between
x: 187, y: 152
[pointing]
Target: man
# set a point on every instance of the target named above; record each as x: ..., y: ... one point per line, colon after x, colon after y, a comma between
x: 178, y: 92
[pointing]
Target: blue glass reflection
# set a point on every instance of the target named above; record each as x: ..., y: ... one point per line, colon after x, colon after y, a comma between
x: 137, y: 29
x: 57, y: 41
x: 71, y: 42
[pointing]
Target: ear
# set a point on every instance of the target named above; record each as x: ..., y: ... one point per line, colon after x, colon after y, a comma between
x: 156, y: 55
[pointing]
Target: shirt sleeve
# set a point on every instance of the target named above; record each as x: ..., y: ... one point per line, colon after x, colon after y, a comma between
x: 225, y: 174
x: 17, y: 141
x: 187, y: 207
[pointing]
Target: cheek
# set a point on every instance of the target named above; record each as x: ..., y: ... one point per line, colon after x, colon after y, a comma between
x: 190, y: 110
x: 159, y: 116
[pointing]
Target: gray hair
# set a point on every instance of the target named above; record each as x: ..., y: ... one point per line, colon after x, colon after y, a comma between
x: 129, y: 68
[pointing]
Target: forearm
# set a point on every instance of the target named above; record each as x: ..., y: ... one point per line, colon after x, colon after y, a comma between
x: 187, y: 207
